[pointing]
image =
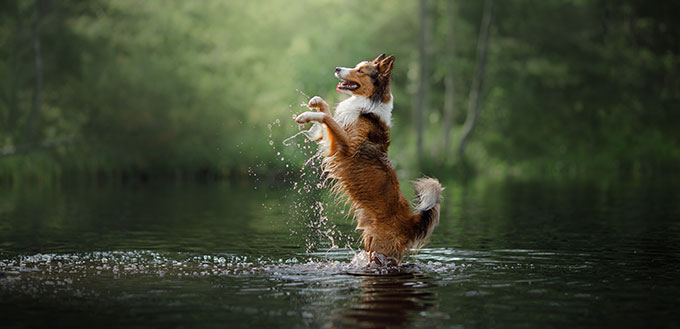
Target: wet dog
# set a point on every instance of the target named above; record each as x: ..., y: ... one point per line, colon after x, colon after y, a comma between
x: 355, y: 142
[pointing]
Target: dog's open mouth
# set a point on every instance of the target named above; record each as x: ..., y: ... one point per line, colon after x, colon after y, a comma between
x: 347, y: 85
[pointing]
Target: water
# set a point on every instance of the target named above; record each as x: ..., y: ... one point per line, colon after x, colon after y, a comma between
x: 506, y: 255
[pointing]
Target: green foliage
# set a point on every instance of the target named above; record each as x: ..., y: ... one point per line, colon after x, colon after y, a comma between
x: 588, y: 87
x: 183, y: 87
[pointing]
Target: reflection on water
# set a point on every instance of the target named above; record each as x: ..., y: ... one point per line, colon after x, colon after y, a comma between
x: 339, y: 292
x: 508, y: 255
x: 389, y: 301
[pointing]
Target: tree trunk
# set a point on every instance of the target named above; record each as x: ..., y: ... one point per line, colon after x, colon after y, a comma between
x: 477, y: 82
x: 449, y: 85
x: 38, y: 71
x: 423, y: 75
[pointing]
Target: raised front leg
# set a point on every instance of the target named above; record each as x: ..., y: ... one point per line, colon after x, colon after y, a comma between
x: 308, y: 116
x: 315, y: 103
x: 318, y: 103
x: 338, y: 138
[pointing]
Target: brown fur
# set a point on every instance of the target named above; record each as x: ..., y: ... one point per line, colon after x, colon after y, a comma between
x: 373, y: 78
x: 359, y: 164
x: 365, y: 174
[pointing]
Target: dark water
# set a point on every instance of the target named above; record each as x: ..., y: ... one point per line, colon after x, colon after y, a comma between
x: 506, y: 255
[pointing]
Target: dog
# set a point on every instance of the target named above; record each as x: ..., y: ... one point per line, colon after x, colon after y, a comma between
x: 355, y: 142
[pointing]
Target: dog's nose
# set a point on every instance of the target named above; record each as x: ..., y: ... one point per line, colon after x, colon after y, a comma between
x: 337, y: 69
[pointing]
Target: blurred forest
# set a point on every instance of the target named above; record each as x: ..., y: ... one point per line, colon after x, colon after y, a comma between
x: 555, y: 88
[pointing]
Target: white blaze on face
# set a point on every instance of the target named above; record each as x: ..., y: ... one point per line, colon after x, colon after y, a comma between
x: 342, y: 72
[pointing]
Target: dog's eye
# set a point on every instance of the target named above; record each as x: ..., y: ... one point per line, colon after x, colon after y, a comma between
x: 360, y: 71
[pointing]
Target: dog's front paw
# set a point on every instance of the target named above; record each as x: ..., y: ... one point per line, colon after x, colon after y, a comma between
x: 318, y: 103
x: 309, y: 117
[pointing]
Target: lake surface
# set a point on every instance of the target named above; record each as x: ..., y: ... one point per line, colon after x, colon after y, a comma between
x: 506, y: 255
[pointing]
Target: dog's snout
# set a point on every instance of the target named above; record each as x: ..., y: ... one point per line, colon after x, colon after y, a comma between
x: 337, y: 69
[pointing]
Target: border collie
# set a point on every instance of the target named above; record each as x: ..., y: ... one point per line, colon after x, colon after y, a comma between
x: 355, y: 142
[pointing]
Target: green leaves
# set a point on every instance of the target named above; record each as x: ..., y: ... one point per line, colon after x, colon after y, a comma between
x: 192, y: 85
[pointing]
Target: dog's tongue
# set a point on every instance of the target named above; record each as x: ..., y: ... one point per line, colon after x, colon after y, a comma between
x: 345, y: 85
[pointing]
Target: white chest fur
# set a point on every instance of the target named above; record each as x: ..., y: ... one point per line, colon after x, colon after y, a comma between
x: 349, y: 110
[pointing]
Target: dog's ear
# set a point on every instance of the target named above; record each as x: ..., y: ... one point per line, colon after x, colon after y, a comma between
x: 379, y: 58
x: 385, y: 65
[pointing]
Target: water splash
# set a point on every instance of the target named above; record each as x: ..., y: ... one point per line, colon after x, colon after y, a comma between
x: 64, y: 269
x: 312, y: 211
x: 303, y: 94
x: 288, y: 141
x: 84, y: 274
x: 314, y: 133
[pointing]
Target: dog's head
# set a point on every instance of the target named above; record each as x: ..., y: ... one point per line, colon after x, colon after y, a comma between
x: 370, y: 79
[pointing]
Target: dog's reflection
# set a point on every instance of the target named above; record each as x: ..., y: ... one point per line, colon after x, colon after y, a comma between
x: 387, y: 301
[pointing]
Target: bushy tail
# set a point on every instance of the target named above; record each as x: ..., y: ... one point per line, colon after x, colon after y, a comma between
x: 428, y: 194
